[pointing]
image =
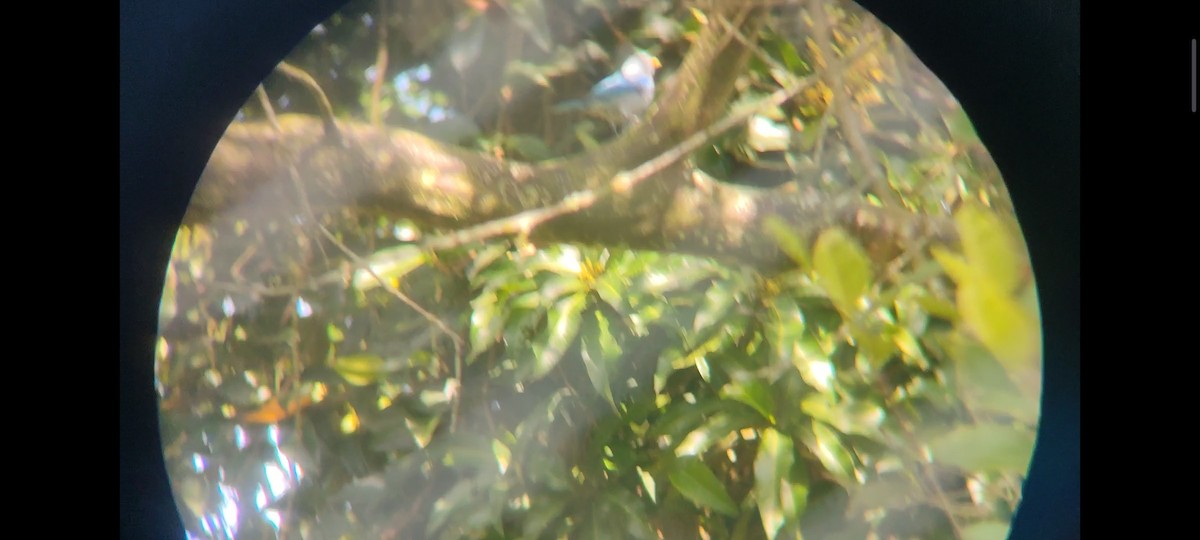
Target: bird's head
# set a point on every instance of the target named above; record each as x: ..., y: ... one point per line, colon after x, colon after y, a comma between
x: 640, y: 64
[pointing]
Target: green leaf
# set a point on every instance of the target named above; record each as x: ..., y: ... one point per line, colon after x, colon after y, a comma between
x: 502, y: 454
x: 561, y: 328
x: 990, y: 248
x: 609, y: 347
x: 858, y: 417
x: 359, y: 369
x: 961, y: 128
x: 789, y: 242
x: 648, y: 484
x: 772, y: 469
x: 1002, y: 324
x: 598, y: 350
x: 612, y: 288
x: 791, y: 59
x: 754, y: 393
x: 699, y: 485
x: 842, y: 268
x: 484, y: 258
x: 487, y: 325
x: 389, y: 265
x: 985, y: 447
x: 986, y: 530
x: 832, y: 453
x: 716, y: 429
x: 681, y: 417
x: 718, y: 301
x: 955, y: 266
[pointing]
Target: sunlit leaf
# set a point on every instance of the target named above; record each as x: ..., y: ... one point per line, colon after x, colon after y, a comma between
x: 388, y: 266
x: 842, y: 268
x: 698, y: 484
x: 955, y: 266
x: 985, y: 447
x: 598, y: 350
x: 612, y: 287
x: 1011, y: 332
x: 858, y: 417
x: 763, y: 135
x: 502, y: 454
x: 718, y: 300
x: 486, y: 324
x: 562, y: 325
x: 715, y: 429
x: 832, y: 453
x: 359, y: 369
x: 772, y: 468
x: 648, y: 483
x: 990, y: 248
x: 873, y: 345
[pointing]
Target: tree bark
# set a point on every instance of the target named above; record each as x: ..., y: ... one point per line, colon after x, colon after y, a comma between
x: 259, y: 172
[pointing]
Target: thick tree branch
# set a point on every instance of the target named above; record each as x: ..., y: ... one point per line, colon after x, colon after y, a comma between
x: 401, y: 173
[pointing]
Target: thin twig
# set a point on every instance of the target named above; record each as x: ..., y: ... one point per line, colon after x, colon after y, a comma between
x: 301, y: 76
x: 433, y: 319
x: 908, y: 433
x: 265, y: 102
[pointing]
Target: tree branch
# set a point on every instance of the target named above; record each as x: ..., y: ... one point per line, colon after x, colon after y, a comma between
x: 669, y: 207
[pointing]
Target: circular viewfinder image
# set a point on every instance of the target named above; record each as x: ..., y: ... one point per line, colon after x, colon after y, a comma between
x: 611, y: 269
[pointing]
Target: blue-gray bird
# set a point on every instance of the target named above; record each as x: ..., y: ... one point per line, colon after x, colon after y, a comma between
x: 621, y: 97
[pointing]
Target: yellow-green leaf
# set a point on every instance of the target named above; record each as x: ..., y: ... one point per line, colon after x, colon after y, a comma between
x: 955, y: 266
x: 842, y: 268
x: 999, y: 321
x: 789, y: 242
x: 359, y: 369
x: 990, y: 249
x: 389, y: 265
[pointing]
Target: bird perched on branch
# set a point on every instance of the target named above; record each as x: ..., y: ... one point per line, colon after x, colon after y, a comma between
x: 623, y: 95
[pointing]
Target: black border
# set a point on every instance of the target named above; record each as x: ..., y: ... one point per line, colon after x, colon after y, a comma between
x: 187, y: 66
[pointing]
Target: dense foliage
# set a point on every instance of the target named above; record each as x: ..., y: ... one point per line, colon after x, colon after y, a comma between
x: 329, y: 377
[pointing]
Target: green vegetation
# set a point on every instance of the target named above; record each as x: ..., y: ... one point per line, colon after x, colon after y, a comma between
x: 791, y: 302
